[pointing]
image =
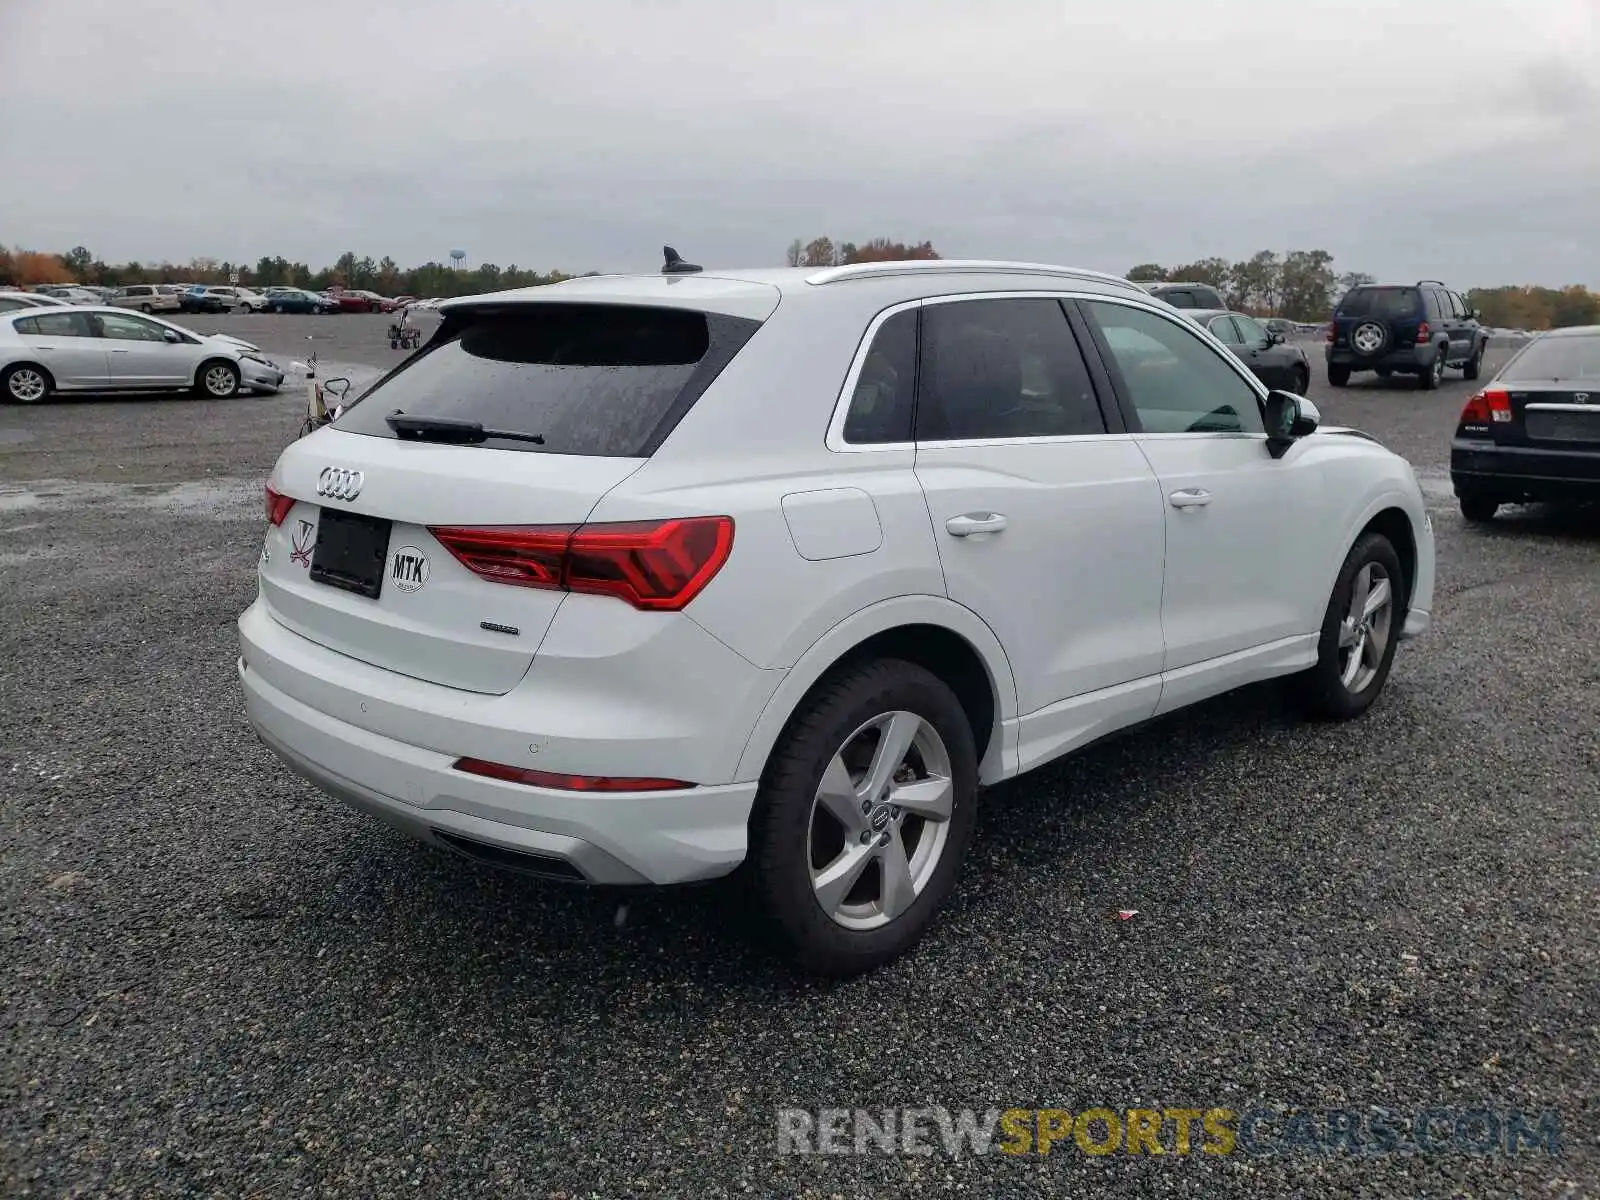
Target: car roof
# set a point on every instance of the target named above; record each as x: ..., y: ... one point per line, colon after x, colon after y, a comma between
x: 1207, y: 313
x: 1573, y: 331
x: 756, y: 292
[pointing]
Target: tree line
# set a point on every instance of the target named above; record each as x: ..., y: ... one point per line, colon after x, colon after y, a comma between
x: 25, y: 268
x: 1300, y: 284
x: 1303, y: 286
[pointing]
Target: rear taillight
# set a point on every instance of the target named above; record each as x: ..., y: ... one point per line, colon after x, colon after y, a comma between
x: 1423, y: 334
x: 1489, y: 405
x: 278, y: 506
x: 567, y: 783
x: 656, y: 566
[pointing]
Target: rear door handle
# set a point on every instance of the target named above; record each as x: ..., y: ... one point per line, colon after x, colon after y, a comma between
x: 1190, y: 498
x: 968, y: 524
x: 114, y: 350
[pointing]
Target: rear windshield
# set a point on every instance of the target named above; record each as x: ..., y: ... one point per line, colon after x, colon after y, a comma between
x: 1382, y: 302
x: 593, y: 379
x: 1552, y: 359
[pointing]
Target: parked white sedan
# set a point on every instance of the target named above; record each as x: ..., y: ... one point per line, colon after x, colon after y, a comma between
x: 93, y: 349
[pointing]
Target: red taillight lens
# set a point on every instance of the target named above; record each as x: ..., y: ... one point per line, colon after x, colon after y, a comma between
x: 656, y: 566
x: 1423, y: 334
x: 1493, y: 404
x: 278, y: 506
x: 567, y: 783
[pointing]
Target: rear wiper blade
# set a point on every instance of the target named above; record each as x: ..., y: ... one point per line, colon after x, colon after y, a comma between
x: 452, y: 431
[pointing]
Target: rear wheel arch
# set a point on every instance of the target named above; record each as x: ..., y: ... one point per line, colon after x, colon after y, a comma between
x: 944, y: 638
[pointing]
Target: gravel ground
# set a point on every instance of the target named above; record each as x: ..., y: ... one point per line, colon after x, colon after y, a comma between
x: 218, y: 982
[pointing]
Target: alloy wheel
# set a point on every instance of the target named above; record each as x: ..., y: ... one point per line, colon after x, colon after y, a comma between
x: 1364, y: 632
x: 880, y: 820
x: 27, y: 385
x: 220, y: 381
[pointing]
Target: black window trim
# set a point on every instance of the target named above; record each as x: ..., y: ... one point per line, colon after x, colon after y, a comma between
x: 1100, y: 381
x: 1130, y: 412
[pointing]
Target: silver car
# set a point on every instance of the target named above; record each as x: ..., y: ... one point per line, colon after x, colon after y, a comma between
x: 11, y: 301
x: 147, y: 298
x: 97, y: 349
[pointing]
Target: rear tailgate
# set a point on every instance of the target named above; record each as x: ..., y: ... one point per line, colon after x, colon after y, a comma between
x: 559, y: 402
x: 432, y: 618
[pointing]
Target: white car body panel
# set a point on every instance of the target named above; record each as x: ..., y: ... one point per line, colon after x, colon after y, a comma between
x: 1099, y: 605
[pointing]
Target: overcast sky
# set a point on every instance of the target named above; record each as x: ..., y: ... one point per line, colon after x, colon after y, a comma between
x: 1456, y: 140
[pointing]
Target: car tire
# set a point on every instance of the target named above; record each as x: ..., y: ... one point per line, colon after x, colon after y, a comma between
x: 26, y: 383
x: 217, y: 379
x: 1433, y: 376
x: 827, y: 913
x: 1479, y: 510
x: 1335, y: 689
x: 1301, y: 384
x: 1474, y: 366
x: 147, y: 310
x: 1338, y: 374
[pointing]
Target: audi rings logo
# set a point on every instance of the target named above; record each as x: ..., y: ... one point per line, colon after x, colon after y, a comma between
x: 336, y: 483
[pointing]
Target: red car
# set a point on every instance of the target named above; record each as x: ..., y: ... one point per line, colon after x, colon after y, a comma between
x: 363, y: 302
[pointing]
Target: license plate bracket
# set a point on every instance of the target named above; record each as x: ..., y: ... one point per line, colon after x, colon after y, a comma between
x: 351, y: 551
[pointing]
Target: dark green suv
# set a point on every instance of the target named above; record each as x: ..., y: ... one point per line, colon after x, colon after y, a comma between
x: 1404, y: 329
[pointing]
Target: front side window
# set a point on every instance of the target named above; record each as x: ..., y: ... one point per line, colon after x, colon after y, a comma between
x: 1251, y: 331
x: 1002, y: 368
x: 1223, y: 330
x: 1174, y: 381
x: 130, y: 329
x: 882, y: 404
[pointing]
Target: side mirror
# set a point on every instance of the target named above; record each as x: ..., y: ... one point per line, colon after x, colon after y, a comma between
x: 1288, y: 418
x: 170, y: 335
x: 338, y: 388
x: 1477, y: 314
x: 1274, y: 338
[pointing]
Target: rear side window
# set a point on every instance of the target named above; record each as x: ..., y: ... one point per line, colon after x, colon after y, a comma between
x: 1384, y: 303
x: 591, y: 379
x: 1002, y: 369
x: 884, y: 399
x: 56, y: 324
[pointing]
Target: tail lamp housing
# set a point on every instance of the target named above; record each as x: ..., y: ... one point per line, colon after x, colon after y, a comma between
x: 655, y: 566
x: 278, y: 506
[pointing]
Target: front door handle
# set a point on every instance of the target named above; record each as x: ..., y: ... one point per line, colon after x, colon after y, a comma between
x: 968, y: 524
x: 114, y: 350
x: 1190, y: 498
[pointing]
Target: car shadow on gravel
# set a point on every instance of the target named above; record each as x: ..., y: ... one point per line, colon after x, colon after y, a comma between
x: 454, y: 928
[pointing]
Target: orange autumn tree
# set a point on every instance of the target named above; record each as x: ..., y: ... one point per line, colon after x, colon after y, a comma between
x: 26, y: 268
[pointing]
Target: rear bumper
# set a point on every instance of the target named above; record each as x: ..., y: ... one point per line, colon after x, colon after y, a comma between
x: 1403, y: 358
x: 670, y: 702
x: 625, y: 838
x: 1522, y: 472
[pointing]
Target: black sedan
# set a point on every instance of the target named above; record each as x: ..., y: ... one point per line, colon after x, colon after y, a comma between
x: 1271, y: 357
x: 1532, y: 435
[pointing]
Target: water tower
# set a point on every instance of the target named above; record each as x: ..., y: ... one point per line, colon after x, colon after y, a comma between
x: 456, y: 256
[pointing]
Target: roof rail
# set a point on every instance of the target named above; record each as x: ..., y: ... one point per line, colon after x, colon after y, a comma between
x: 963, y: 266
x: 1440, y: 282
